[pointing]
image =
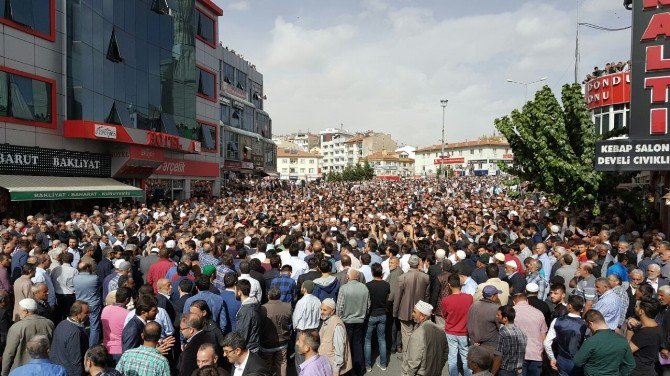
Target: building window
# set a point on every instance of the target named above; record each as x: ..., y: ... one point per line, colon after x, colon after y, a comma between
x: 225, y: 114
x: 248, y: 124
x: 228, y: 74
x: 232, y: 146
x: 113, y: 51
x: 27, y: 99
x: 236, y: 118
x: 311, y: 170
x: 620, y: 117
x: 207, y: 137
x: 205, y: 28
x: 160, y: 7
x: 206, y: 84
x: 284, y: 170
x: 257, y: 95
x: 241, y: 82
x: 35, y: 17
x: 472, y: 151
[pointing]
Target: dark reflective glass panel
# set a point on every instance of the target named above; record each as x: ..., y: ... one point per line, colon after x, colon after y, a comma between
x: 27, y: 99
x: 206, y: 83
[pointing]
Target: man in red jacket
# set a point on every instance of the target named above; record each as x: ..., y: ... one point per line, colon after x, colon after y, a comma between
x: 160, y: 268
x: 455, y: 307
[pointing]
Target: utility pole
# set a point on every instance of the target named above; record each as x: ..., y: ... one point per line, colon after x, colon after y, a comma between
x: 577, y: 47
x: 443, y: 102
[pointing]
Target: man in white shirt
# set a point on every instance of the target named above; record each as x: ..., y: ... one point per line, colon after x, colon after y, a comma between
x: 571, y: 329
x: 256, y: 291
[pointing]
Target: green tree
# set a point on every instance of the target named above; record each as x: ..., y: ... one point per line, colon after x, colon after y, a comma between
x: 554, y: 147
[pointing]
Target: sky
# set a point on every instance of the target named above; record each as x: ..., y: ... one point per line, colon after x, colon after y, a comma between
x: 384, y: 65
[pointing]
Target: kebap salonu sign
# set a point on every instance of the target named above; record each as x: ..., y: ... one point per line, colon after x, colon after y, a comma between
x: 22, y: 160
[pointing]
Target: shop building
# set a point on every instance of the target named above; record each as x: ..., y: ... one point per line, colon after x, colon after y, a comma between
x: 133, y: 87
x: 365, y: 144
x: 479, y: 157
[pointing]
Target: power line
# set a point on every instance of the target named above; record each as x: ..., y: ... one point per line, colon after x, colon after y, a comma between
x: 603, y: 28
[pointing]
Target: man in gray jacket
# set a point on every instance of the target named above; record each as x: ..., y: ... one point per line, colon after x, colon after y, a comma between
x: 353, y: 303
x: 87, y: 289
x: 248, y: 319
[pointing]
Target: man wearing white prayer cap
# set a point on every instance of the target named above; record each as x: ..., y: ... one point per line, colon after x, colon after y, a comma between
x: 334, y: 344
x: 31, y: 324
x: 427, y: 346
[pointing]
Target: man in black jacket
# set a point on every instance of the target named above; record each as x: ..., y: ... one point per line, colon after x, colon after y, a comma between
x: 312, y: 274
x: 163, y: 297
x: 191, y: 327
x: 237, y: 354
x: 146, y: 310
x: 70, y: 340
x: 248, y: 323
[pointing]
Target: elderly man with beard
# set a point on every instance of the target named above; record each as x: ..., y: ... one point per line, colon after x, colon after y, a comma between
x: 334, y: 344
x: 427, y: 345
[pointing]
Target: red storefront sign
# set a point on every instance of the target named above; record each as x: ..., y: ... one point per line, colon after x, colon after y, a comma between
x: 508, y: 156
x: 232, y: 166
x: 457, y: 160
x: 94, y: 131
x: 608, y: 90
x: 188, y: 168
x: 162, y: 140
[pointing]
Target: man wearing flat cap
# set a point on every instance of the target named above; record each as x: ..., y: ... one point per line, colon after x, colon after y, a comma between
x: 427, y: 346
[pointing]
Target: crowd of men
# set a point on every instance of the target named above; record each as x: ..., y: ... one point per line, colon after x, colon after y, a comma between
x: 608, y: 69
x: 464, y: 276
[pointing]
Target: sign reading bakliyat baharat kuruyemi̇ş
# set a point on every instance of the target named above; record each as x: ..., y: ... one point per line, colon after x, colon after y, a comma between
x: 648, y: 144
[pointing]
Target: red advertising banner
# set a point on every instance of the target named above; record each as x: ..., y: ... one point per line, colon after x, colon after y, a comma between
x: 608, y: 90
x: 188, y: 168
x: 449, y: 160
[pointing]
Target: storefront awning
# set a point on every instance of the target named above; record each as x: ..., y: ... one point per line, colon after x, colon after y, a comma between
x: 29, y: 188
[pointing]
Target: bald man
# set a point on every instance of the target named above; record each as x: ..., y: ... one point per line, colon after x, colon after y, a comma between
x: 207, y: 357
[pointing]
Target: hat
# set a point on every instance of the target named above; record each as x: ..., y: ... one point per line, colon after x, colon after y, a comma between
x: 154, y: 250
x: 424, y: 307
x: 353, y: 243
x: 208, y: 270
x: 532, y: 287
x: 484, y: 258
x: 461, y: 255
x: 333, y: 229
x: 329, y: 303
x: 440, y: 253
x: 28, y: 304
x: 122, y: 265
x: 131, y: 247
x: 247, y: 240
x: 500, y: 257
x: 494, y: 227
x: 511, y: 264
x: 353, y: 229
x: 309, y: 286
x: 555, y: 229
x: 490, y: 290
x: 286, y: 223
x: 170, y: 244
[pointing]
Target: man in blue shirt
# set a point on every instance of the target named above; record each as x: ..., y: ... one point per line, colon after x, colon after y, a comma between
x: 38, y: 349
x: 214, y: 301
x: 619, y: 267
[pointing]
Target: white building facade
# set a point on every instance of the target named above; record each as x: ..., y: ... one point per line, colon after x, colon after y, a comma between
x: 298, y: 165
x: 467, y: 158
x: 333, y: 149
x: 389, y: 164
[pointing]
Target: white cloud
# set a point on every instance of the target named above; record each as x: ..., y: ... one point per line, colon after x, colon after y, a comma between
x: 386, y: 68
x: 240, y: 6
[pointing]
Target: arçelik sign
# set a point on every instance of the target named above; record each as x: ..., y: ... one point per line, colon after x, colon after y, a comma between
x: 648, y: 145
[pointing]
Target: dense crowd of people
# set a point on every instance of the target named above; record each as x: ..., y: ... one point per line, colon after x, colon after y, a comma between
x: 609, y: 68
x: 465, y: 276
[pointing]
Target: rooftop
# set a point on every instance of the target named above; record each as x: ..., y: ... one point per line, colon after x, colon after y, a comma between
x: 293, y: 153
x: 465, y: 144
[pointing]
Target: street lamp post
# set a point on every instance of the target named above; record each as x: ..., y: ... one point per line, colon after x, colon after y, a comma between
x: 443, y: 102
x: 526, y: 84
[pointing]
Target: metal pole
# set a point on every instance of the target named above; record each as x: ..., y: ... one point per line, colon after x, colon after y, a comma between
x: 577, y: 47
x: 443, y: 102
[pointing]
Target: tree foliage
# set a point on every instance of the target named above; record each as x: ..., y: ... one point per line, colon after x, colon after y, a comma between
x: 352, y: 173
x: 554, y: 147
